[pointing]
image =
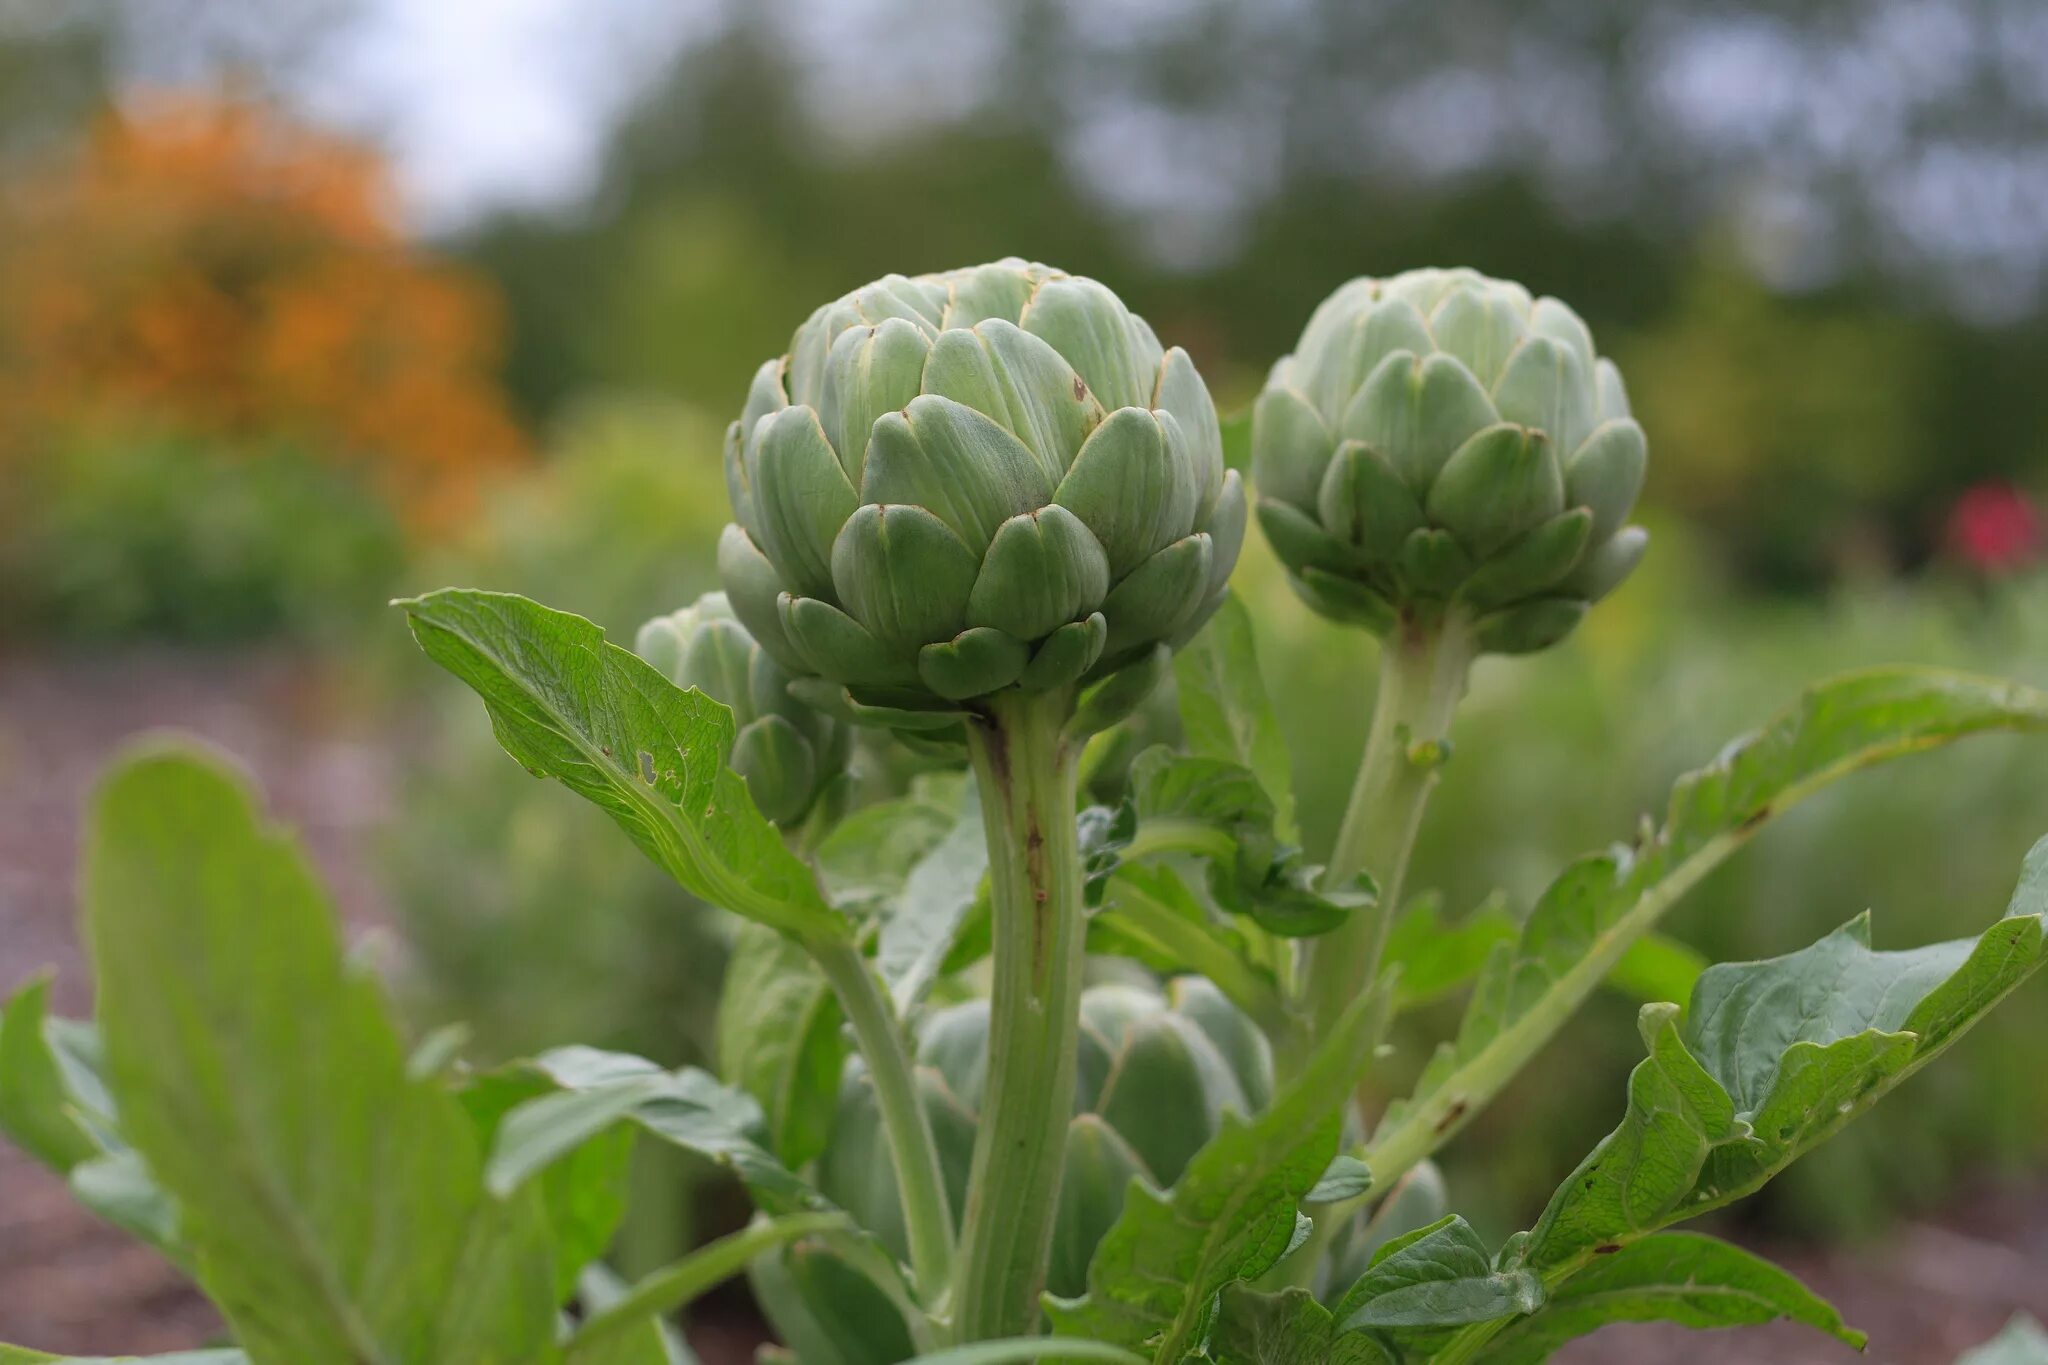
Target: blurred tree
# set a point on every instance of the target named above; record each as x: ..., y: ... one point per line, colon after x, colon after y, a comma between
x: 214, y: 268
x: 1819, y: 388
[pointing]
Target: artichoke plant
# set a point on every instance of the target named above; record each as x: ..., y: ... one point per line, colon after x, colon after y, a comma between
x: 1158, y: 1069
x: 959, y: 499
x: 961, y: 483
x: 788, y: 752
x: 1442, y: 439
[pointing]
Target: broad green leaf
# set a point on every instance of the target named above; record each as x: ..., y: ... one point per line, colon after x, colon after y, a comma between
x: 673, y: 1286
x: 38, y: 1109
x: 1225, y: 711
x: 612, y: 729
x: 922, y: 921
x: 335, y: 1206
x: 1772, y: 1058
x: 1288, y: 1328
x: 584, y: 1193
x: 1436, y: 1276
x: 1586, y: 921
x: 1232, y: 1214
x: 1681, y: 1277
x: 780, y: 1039
x: 2021, y: 1343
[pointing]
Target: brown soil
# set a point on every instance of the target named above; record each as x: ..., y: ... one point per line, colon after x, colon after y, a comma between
x: 71, y: 1284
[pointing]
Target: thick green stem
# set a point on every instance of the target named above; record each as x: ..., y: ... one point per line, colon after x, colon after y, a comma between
x: 926, y: 1216
x: 1423, y: 667
x: 1027, y: 774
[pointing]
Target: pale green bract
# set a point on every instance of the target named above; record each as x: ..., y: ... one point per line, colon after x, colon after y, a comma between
x: 960, y: 483
x: 787, y: 751
x: 1441, y: 439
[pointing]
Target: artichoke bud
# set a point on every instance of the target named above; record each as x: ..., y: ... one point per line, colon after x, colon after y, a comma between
x: 1441, y: 442
x: 963, y: 483
x: 787, y: 751
x: 1157, y: 1069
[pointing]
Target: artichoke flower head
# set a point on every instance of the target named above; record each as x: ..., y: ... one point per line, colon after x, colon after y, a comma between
x: 788, y: 752
x: 956, y: 484
x: 1442, y: 440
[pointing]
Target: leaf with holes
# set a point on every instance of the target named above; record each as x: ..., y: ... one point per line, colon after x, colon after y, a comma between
x: 1584, y: 924
x: 612, y: 729
x: 1771, y: 1059
x: 1678, y: 1277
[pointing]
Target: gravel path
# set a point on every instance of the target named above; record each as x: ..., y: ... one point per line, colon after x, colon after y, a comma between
x: 330, y: 764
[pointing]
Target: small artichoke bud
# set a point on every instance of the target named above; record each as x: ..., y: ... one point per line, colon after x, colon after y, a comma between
x: 1157, y: 1071
x: 786, y: 751
x: 1443, y: 441
x: 963, y: 483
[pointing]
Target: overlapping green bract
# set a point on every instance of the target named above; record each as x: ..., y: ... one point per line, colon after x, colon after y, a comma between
x: 959, y: 483
x: 1438, y: 437
x: 788, y: 752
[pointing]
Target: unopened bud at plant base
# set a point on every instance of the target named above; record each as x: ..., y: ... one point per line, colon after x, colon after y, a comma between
x: 1441, y: 440
x: 787, y: 751
x: 961, y: 483
x: 1157, y: 1071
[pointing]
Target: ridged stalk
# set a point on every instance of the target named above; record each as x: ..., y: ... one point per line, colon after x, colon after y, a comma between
x: 1027, y: 773
x: 1423, y: 667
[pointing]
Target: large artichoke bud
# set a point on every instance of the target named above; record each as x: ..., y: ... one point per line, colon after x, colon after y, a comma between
x: 1442, y: 439
x: 1157, y: 1070
x: 787, y: 752
x: 966, y: 482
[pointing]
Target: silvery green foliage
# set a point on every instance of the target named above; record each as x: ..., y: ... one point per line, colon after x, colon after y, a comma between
x: 959, y: 483
x: 788, y: 752
x: 1440, y: 437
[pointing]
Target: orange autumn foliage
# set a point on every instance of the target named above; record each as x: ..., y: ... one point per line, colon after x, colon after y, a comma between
x: 219, y: 268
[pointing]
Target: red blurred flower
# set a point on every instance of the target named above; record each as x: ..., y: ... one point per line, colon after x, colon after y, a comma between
x: 1994, y: 528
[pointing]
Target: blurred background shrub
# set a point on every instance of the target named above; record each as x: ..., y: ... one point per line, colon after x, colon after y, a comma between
x: 169, y: 536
